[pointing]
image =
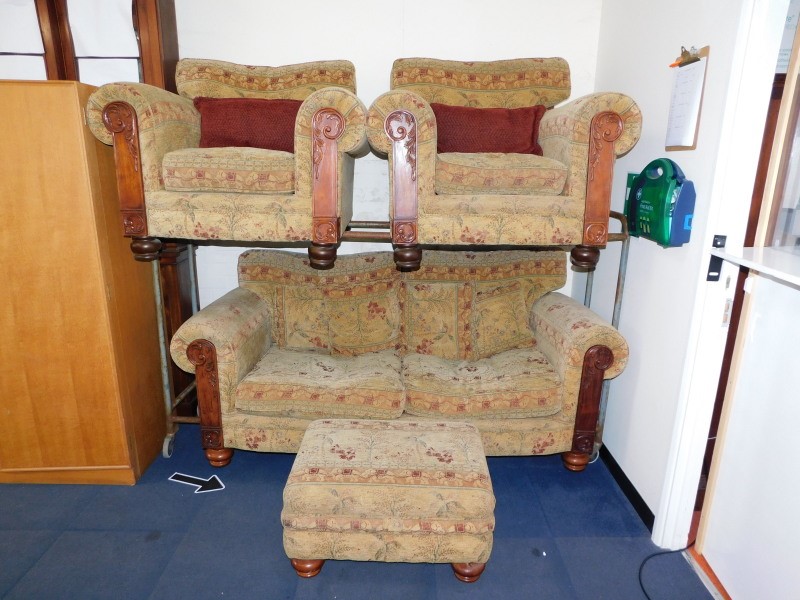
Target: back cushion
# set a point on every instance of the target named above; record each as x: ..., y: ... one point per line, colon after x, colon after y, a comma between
x: 499, y: 83
x: 350, y: 309
x: 247, y: 122
x: 470, y: 130
x: 219, y: 79
x: 467, y: 306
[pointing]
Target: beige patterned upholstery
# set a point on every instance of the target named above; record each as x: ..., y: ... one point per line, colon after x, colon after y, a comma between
x: 562, y: 198
x: 478, y: 337
x: 236, y: 194
x: 392, y: 491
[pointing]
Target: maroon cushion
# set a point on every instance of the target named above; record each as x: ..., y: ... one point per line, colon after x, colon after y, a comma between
x: 466, y: 129
x: 250, y: 122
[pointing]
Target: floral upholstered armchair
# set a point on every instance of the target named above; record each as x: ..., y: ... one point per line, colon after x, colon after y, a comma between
x: 243, y: 154
x: 483, y: 153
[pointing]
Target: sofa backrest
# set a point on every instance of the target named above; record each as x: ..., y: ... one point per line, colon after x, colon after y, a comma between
x: 220, y: 79
x: 492, y: 84
x: 458, y: 305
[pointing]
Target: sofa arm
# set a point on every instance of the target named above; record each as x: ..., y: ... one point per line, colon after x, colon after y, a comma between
x: 238, y: 325
x: 565, y: 330
x: 163, y: 122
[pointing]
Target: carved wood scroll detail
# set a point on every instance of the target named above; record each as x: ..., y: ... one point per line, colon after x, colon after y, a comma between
x: 595, y: 362
x: 119, y: 119
x: 203, y: 355
x: 605, y: 129
x: 401, y: 127
x: 327, y: 126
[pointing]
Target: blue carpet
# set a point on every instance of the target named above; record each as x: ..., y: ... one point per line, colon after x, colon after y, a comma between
x: 559, y: 535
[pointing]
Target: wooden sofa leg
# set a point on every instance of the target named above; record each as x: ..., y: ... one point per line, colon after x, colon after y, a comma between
x: 322, y: 256
x: 585, y: 257
x: 307, y: 568
x: 407, y: 258
x: 468, y: 572
x: 203, y: 355
x: 595, y: 362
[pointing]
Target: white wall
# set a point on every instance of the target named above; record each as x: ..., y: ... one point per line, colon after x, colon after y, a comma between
x: 371, y: 35
x: 671, y: 317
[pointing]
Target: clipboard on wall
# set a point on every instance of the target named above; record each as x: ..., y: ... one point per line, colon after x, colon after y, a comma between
x: 687, y: 99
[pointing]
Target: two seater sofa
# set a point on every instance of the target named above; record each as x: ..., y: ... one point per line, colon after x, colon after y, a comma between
x: 475, y: 337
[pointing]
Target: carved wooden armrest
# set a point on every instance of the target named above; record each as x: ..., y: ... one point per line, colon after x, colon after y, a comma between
x: 402, y: 125
x: 330, y: 123
x: 587, y: 134
x: 143, y: 123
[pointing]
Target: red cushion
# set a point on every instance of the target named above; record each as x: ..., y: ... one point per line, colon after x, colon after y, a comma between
x: 249, y: 122
x: 466, y: 129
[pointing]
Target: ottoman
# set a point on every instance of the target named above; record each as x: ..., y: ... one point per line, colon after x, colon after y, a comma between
x: 393, y: 491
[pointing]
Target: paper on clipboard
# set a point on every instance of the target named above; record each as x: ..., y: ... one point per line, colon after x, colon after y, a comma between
x: 684, y: 108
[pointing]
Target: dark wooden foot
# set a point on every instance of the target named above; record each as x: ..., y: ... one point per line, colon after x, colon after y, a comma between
x: 145, y: 249
x: 585, y: 257
x: 307, y: 568
x: 468, y: 572
x: 407, y: 258
x: 575, y: 461
x: 322, y: 256
x: 219, y: 457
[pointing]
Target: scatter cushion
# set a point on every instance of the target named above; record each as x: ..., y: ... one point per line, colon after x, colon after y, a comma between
x: 249, y: 122
x: 467, y: 129
x: 247, y: 170
x: 496, y: 173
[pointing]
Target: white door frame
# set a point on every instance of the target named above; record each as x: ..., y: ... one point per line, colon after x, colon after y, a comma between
x: 756, y: 49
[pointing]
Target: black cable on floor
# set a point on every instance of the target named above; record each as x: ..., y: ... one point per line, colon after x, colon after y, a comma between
x: 653, y: 555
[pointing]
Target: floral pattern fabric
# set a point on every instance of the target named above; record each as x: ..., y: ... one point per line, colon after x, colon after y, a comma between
x: 225, y: 169
x: 401, y: 491
x: 496, y: 173
x: 475, y: 336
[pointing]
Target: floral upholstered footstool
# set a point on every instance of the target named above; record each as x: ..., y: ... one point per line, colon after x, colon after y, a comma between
x: 393, y: 491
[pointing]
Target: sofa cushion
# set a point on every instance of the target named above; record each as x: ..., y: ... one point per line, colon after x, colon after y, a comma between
x: 249, y: 122
x: 495, y: 173
x: 229, y: 170
x: 512, y: 384
x: 308, y: 384
x: 350, y: 309
x: 469, y: 129
x: 470, y: 305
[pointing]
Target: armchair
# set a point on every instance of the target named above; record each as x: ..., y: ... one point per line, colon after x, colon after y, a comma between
x: 170, y: 187
x: 493, y: 198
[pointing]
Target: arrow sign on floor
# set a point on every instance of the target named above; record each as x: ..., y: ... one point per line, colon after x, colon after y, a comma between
x: 212, y: 484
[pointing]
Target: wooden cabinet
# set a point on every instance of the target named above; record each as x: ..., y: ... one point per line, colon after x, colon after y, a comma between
x: 81, y: 392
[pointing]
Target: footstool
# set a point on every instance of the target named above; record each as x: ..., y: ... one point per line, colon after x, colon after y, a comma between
x: 392, y: 491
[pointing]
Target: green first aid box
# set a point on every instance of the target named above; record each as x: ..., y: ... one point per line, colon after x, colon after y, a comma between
x: 660, y: 204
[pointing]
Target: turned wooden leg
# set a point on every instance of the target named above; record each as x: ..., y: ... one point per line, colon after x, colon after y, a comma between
x: 468, y: 572
x: 407, y: 258
x: 219, y: 457
x: 307, y: 568
x: 585, y: 257
x: 145, y: 249
x: 575, y: 461
x: 322, y: 256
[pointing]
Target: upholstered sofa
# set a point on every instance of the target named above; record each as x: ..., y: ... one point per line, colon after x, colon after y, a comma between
x: 492, y: 153
x: 471, y: 336
x: 244, y: 187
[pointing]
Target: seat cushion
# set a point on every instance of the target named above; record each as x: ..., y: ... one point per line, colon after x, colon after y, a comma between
x: 513, y: 384
x: 253, y: 170
x: 312, y: 384
x: 496, y: 173
x: 389, y: 491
